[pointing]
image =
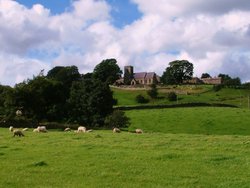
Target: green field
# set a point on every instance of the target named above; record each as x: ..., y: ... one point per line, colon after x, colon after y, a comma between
x: 200, y: 120
x: 187, y: 94
x: 180, y: 147
x: 103, y: 159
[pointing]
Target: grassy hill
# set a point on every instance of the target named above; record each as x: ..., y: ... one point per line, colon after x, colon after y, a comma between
x: 186, y: 94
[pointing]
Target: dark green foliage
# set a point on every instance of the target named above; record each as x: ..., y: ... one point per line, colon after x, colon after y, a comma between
x: 141, y: 99
x: 227, y: 81
x: 217, y: 88
x: 107, y: 71
x: 117, y: 119
x: 90, y: 102
x: 177, y: 72
x: 205, y: 75
x: 172, y: 96
x: 153, y: 92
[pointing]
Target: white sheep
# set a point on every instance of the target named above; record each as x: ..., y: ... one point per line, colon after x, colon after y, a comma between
x: 138, y: 131
x: 25, y: 129
x: 89, y: 131
x: 42, y: 129
x: 116, y: 130
x: 36, y: 130
x: 67, y: 129
x: 17, y: 132
x: 81, y: 129
x: 11, y: 128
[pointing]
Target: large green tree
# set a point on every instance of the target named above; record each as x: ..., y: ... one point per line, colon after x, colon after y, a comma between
x: 90, y: 102
x: 177, y: 72
x: 107, y: 71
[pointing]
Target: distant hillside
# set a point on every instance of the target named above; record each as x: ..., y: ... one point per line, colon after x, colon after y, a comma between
x: 186, y: 94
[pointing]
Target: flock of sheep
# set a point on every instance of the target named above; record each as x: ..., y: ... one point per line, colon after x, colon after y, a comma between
x: 42, y: 129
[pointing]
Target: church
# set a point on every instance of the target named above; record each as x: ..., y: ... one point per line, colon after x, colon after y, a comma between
x: 140, y: 78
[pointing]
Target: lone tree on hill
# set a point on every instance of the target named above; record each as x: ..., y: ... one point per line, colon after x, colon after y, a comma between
x: 177, y: 72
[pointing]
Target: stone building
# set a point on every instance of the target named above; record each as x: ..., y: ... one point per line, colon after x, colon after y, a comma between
x: 143, y: 78
x: 196, y: 80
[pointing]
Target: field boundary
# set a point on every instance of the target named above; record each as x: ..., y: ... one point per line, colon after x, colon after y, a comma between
x: 183, y: 105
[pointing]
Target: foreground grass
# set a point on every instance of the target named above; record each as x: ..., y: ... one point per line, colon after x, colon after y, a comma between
x: 104, y: 159
x: 200, y: 120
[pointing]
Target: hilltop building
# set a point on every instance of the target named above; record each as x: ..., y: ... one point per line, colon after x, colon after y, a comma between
x: 142, y: 78
x: 212, y: 81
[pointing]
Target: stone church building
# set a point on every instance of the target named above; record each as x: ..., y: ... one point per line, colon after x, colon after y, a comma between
x: 142, y: 78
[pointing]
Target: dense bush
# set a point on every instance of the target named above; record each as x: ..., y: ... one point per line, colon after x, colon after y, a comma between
x: 117, y: 119
x: 172, y: 96
x: 141, y: 99
x: 217, y: 87
x: 153, y: 93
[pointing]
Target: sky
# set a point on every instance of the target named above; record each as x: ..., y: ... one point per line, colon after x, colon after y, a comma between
x: 148, y: 34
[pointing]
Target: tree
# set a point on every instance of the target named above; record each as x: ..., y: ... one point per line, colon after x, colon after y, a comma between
x: 141, y: 99
x: 172, y: 96
x: 228, y: 81
x: 107, y: 71
x: 153, y: 93
x: 205, y: 75
x: 177, y: 72
x: 117, y: 119
x: 90, y: 102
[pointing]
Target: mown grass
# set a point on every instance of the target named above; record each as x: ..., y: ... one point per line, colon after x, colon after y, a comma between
x: 200, y: 120
x: 104, y: 159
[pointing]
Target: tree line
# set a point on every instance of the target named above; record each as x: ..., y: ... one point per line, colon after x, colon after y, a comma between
x: 65, y: 95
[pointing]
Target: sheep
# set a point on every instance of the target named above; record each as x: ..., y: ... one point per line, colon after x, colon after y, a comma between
x: 90, y: 130
x: 81, y: 129
x: 42, y: 129
x: 25, y: 129
x: 138, y: 131
x: 17, y: 132
x: 116, y: 130
x: 67, y: 129
x: 11, y: 128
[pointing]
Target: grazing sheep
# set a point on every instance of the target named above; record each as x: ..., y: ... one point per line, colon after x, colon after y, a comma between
x: 25, y: 129
x: 11, y: 128
x: 36, y: 130
x: 17, y: 133
x: 67, y: 129
x: 138, y: 131
x: 42, y: 129
x: 81, y: 129
x: 89, y: 131
x: 116, y: 130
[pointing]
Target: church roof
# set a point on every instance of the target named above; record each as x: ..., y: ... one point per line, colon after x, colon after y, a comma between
x: 140, y: 75
x: 144, y: 75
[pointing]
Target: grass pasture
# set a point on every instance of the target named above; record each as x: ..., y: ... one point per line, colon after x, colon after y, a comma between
x: 199, y: 120
x: 103, y: 159
x: 186, y: 94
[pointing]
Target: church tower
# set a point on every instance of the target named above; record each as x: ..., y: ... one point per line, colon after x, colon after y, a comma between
x: 128, y: 74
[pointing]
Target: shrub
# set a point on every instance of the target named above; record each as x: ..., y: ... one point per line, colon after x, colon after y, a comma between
x: 141, y: 99
x: 172, y: 96
x: 117, y: 119
x: 217, y: 87
x: 153, y: 93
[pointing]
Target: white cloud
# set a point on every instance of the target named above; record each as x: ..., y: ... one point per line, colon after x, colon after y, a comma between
x: 213, y: 35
